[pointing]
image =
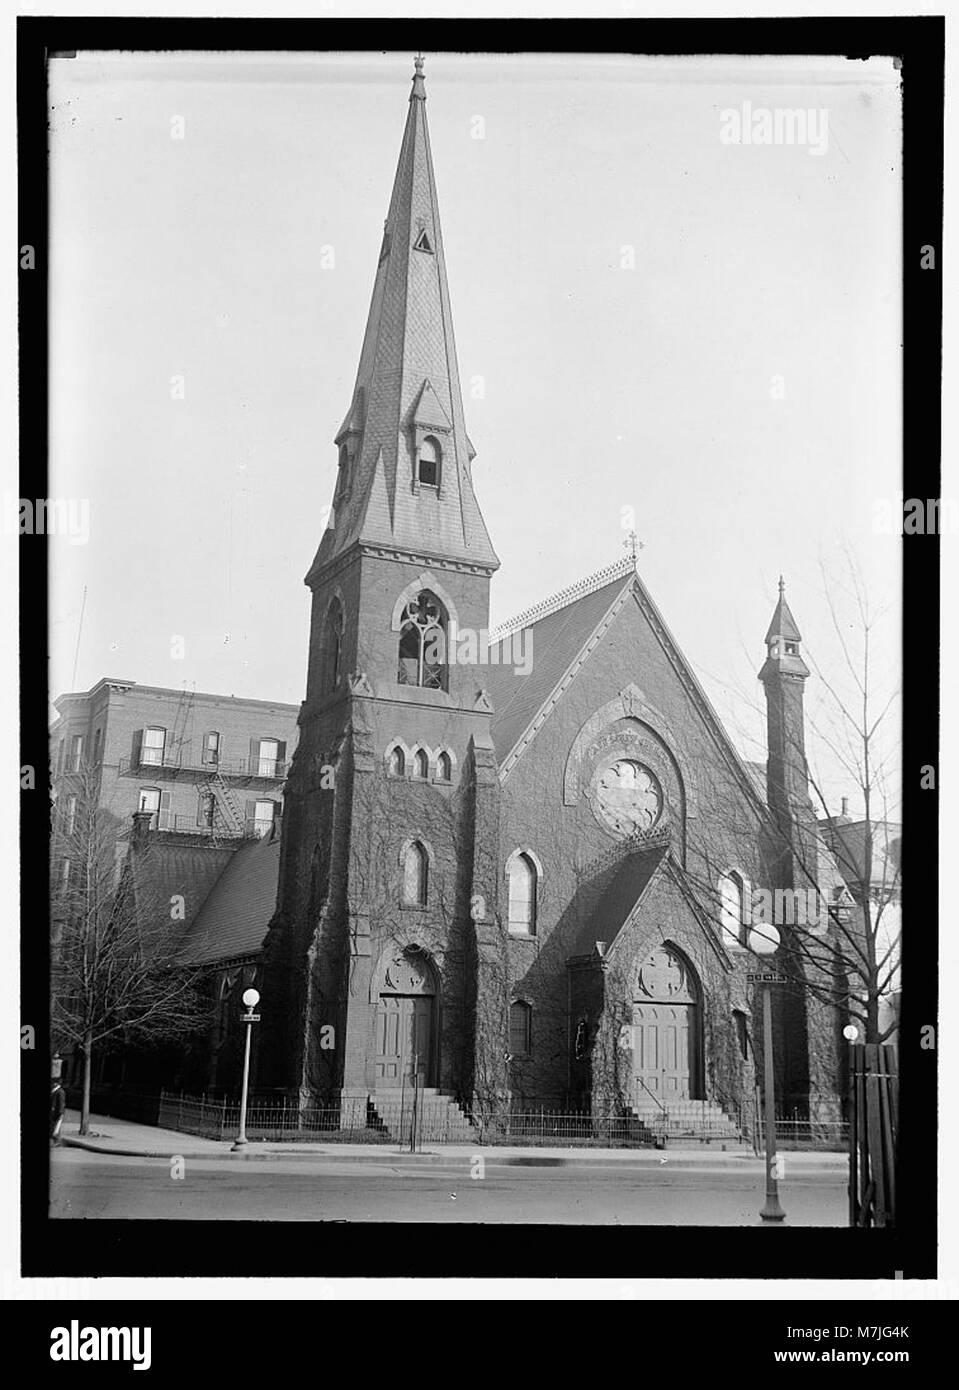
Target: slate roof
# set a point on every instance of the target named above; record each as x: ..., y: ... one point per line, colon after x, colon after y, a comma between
x: 237, y: 912
x: 408, y: 374
x: 166, y: 866
x: 557, y: 639
x: 617, y: 893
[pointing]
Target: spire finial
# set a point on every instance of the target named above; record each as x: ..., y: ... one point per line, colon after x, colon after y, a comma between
x: 782, y: 586
x: 419, y: 82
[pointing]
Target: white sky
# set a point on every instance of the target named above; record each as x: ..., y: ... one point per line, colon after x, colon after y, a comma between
x: 604, y: 388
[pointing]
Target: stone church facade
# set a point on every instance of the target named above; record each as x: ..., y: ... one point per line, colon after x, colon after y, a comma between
x: 526, y: 880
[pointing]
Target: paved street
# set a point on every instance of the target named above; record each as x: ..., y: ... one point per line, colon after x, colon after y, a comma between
x: 304, y: 1188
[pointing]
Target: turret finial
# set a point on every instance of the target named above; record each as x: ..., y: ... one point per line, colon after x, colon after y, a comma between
x: 419, y: 82
x: 782, y: 586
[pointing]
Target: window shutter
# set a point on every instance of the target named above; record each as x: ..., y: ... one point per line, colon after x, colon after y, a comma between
x: 249, y: 816
x: 254, y: 754
x: 137, y: 746
x: 200, y: 807
x: 165, y: 817
x: 281, y: 759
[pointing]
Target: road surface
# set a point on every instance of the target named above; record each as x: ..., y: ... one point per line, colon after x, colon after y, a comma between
x: 92, y: 1185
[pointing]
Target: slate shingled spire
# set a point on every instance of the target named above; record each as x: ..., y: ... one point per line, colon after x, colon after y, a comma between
x: 407, y: 400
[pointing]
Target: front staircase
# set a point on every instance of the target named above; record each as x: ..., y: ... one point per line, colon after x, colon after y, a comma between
x: 439, y: 1118
x: 698, y: 1121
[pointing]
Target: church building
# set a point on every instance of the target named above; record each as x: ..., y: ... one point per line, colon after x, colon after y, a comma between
x: 517, y: 866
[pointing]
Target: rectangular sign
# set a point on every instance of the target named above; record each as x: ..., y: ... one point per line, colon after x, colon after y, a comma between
x: 766, y: 977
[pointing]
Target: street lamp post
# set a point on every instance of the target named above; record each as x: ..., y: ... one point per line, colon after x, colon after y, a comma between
x: 764, y: 941
x: 251, y: 998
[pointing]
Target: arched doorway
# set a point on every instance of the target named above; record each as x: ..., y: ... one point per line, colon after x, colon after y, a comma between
x: 667, y: 1029
x: 405, y: 1020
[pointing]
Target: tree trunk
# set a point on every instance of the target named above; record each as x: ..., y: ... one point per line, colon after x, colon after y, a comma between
x: 87, y: 1071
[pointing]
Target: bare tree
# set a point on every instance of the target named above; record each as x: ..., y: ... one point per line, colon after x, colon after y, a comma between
x: 841, y: 932
x: 116, y: 975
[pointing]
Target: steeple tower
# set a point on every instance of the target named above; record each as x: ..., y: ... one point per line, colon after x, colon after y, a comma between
x: 784, y: 674
x: 404, y: 454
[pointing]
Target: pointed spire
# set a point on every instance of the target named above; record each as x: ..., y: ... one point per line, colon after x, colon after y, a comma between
x: 407, y: 401
x: 782, y: 642
x: 783, y: 623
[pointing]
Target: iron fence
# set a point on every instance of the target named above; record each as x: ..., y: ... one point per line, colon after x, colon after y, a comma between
x: 284, y: 1117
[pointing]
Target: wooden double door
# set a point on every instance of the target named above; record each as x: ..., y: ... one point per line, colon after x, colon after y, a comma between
x: 667, y: 1030
x: 404, y: 1039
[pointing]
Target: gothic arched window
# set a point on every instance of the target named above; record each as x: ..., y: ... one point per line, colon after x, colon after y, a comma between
x: 520, y: 1029
x: 428, y: 465
x: 421, y: 764
x: 397, y: 762
x: 444, y: 768
x: 522, y: 879
x: 332, y: 648
x: 731, y: 909
x: 422, y: 653
x: 416, y: 869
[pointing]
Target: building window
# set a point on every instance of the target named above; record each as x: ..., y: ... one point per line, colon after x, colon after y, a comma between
x: 421, y: 764
x: 422, y: 651
x: 98, y: 734
x: 731, y: 899
x: 444, y: 768
x: 267, y: 758
x: 264, y: 814
x: 70, y: 815
x: 60, y: 756
x: 206, y: 810
x: 397, y: 763
x: 522, y: 879
x: 416, y: 868
x: 150, y: 801
x: 154, y: 745
x: 76, y: 752
x: 64, y: 874
x: 211, y: 748
x: 520, y: 1029
x: 332, y: 647
x: 428, y: 463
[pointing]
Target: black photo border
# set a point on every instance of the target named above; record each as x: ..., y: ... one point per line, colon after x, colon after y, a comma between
x: 220, y: 1248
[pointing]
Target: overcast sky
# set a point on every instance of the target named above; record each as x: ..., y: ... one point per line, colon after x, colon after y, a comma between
x: 738, y: 386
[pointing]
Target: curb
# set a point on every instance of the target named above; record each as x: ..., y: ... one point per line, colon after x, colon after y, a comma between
x: 391, y: 1158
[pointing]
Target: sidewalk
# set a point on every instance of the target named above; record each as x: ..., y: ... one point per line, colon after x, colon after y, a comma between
x: 126, y: 1138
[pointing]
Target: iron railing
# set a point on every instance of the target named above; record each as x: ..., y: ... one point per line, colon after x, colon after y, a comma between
x: 158, y: 760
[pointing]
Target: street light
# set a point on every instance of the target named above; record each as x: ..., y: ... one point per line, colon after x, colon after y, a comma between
x: 251, y: 998
x: 764, y: 941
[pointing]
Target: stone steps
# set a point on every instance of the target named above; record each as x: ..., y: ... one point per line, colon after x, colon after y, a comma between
x: 686, y: 1117
x: 439, y: 1118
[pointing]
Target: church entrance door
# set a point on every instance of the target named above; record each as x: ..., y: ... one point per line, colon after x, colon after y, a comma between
x: 403, y: 1039
x: 404, y: 1027
x: 666, y: 1030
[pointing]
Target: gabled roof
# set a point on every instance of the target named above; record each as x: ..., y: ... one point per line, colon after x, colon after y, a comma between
x: 234, y: 918
x: 562, y: 640
x: 619, y: 892
x: 558, y: 639
x: 167, y: 866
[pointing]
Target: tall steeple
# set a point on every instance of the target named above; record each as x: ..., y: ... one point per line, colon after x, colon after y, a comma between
x: 404, y: 466
x: 784, y: 674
